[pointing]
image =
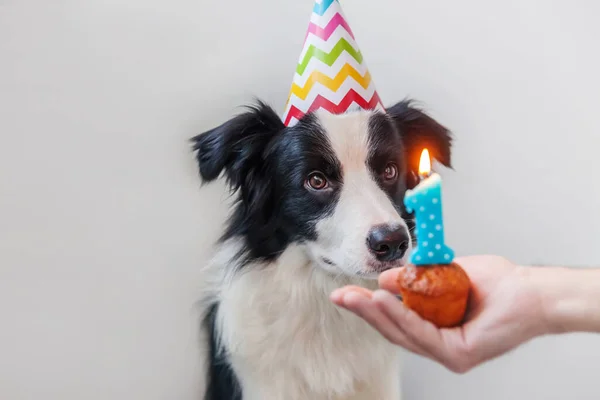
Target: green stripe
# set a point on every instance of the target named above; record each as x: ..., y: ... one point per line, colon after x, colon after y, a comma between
x: 328, y: 58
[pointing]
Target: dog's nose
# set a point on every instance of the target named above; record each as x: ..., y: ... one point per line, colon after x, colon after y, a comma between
x: 388, y: 243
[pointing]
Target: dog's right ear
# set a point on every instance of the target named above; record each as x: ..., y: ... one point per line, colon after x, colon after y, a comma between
x: 420, y: 131
x: 236, y: 146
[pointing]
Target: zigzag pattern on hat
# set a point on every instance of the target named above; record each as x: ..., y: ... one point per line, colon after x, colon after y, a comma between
x: 326, y: 32
x: 320, y: 102
x: 332, y: 84
x: 331, y: 73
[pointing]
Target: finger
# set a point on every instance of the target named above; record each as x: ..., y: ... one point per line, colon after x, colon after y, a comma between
x: 388, y: 280
x: 337, y: 295
x: 423, y: 333
x: 367, y: 310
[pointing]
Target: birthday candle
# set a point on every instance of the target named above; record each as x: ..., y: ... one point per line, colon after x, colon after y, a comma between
x: 425, y: 200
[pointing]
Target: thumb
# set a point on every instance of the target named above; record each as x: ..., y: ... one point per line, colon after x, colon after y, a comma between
x: 388, y: 280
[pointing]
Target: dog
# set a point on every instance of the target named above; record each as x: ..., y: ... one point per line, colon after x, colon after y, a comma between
x: 318, y: 205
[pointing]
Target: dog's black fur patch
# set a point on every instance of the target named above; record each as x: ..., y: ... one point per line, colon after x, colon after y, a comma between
x: 266, y: 164
x: 222, y: 382
x: 418, y: 131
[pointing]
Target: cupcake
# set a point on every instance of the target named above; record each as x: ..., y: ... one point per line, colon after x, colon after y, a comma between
x: 438, y: 293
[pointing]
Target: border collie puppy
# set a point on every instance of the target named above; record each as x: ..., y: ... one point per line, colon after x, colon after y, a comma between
x: 319, y: 205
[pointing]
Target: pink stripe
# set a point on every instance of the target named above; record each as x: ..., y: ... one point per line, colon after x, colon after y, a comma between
x: 325, y: 33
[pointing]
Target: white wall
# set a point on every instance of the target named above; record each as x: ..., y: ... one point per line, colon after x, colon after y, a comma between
x: 103, y: 225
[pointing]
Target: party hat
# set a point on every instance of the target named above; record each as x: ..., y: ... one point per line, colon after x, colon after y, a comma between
x: 331, y: 72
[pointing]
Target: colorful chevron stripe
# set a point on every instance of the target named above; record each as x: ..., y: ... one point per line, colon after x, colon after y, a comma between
x: 343, y: 106
x: 326, y: 32
x: 329, y: 58
x: 331, y: 73
x: 332, y: 84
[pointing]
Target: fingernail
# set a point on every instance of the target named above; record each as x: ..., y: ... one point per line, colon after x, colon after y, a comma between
x: 336, y: 296
x: 351, y: 296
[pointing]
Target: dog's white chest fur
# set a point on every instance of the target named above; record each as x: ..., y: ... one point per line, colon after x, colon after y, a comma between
x: 288, y: 341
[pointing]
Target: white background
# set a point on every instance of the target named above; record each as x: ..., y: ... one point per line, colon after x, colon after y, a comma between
x: 103, y: 225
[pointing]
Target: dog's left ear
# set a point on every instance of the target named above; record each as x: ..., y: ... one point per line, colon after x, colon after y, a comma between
x: 420, y: 131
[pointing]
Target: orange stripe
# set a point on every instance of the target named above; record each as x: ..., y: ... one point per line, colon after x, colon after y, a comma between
x: 332, y: 84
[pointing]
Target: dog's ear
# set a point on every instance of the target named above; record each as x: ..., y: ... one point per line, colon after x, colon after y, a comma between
x: 236, y: 146
x: 420, y: 131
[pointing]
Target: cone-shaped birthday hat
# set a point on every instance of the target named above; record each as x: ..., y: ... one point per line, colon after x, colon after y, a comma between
x: 331, y: 73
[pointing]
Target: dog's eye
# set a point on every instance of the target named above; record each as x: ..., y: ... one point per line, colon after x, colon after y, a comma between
x: 390, y: 173
x: 316, y: 181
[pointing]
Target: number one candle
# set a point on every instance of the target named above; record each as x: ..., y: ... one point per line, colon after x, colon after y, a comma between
x: 425, y: 200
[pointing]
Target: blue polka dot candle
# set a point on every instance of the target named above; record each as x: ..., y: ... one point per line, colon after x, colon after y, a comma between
x: 425, y: 200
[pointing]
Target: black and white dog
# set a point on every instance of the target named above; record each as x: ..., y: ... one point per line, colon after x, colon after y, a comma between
x: 319, y: 205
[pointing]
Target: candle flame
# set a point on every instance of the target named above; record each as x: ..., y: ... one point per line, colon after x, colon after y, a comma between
x: 425, y: 163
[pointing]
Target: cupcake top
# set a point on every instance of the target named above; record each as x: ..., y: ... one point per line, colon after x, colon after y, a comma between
x: 435, y: 280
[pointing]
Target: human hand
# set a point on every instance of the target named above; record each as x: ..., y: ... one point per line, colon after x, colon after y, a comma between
x: 504, y: 311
